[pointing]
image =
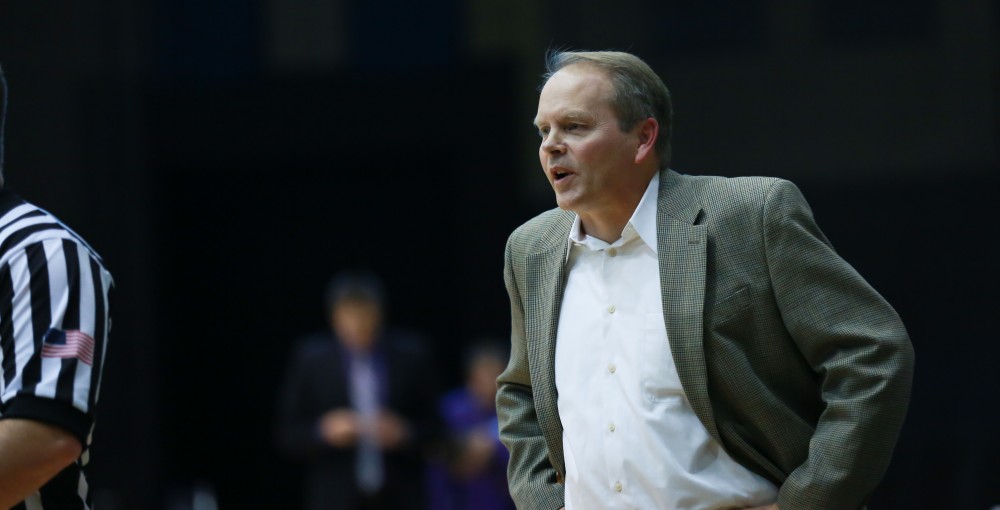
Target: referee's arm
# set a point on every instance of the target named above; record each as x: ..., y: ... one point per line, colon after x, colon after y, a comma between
x: 50, y: 287
x: 31, y: 453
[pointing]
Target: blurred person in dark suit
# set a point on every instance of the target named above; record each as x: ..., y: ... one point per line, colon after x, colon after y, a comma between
x: 357, y: 405
x: 684, y: 342
x: 470, y: 471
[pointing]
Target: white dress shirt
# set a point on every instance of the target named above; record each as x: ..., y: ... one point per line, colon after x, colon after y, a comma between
x: 631, y: 439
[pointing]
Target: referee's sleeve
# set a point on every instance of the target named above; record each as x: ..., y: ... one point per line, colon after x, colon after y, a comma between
x: 53, y: 333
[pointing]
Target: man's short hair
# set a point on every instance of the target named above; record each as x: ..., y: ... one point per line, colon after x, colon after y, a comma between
x: 638, y: 92
x: 356, y: 286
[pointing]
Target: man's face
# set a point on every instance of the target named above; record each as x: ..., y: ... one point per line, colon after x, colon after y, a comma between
x: 584, y: 154
x: 357, y: 323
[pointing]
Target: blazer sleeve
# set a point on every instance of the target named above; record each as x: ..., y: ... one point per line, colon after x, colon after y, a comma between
x: 857, y: 345
x: 530, y: 474
x: 297, y: 428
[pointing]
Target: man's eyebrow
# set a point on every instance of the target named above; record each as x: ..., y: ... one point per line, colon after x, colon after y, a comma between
x: 575, y: 115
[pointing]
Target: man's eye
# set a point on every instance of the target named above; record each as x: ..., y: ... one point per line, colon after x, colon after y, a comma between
x: 573, y: 127
x: 543, y: 131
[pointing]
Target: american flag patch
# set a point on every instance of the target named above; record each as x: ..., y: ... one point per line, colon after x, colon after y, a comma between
x: 72, y: 343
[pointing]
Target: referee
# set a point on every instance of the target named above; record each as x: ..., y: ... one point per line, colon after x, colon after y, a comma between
x: 53, y: 334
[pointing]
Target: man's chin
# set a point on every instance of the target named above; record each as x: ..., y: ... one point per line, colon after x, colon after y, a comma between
x: 566, y: 205
x: 566, y: 202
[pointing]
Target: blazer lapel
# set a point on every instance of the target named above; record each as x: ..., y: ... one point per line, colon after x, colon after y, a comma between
x: 682, y: 248
x: 545, y: 276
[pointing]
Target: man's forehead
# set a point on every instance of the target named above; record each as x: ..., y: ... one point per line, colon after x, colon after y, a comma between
x: 577, y: 77
x: 574, y: 91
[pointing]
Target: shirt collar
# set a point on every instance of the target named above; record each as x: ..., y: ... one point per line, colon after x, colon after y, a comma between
x: 642, y: 222
x: 644, y: 218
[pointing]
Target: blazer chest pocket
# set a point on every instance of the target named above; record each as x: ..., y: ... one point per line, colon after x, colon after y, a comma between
x: 730, y: 307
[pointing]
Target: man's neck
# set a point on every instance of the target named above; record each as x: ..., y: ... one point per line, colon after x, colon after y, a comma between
x: 607, y: 224
x: 604, y: 227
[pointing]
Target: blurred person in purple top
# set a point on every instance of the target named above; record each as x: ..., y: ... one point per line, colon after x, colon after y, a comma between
x: 470, y: 472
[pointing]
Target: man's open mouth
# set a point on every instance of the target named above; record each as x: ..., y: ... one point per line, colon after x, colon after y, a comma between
x: 560, y: 174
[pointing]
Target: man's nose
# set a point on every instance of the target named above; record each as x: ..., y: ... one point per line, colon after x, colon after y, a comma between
x: 553, y: 144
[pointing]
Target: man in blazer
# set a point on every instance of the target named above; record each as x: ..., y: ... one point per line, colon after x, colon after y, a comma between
x: 684, y: 342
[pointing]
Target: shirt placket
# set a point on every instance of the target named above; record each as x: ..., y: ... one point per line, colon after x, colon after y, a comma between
x: 614, y: 399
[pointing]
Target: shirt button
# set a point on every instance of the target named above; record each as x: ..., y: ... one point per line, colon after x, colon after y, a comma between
x: 611, y: 309
x: 611, y: 427
x: 612, y: 367
x: 618, y: 486
x: 612, y: 252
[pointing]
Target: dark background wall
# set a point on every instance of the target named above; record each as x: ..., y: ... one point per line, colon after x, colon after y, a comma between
x: 227, y: 157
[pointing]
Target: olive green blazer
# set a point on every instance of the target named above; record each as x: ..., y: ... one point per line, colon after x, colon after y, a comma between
x: 790, y: 359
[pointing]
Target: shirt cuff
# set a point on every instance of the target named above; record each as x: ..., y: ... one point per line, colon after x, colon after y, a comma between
x: 51, y: 412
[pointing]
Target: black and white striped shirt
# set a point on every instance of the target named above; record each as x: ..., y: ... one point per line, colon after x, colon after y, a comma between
x: 54, y: 324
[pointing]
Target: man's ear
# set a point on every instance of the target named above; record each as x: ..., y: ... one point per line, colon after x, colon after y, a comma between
x: 648, y: 131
